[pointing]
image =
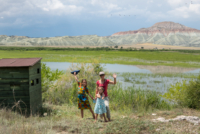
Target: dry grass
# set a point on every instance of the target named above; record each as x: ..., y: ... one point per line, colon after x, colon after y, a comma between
x: 152, y: 46
x: 66, y: 119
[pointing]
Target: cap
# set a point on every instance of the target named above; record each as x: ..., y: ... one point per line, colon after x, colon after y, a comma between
x: 101, y: 73
x: 77, y: 71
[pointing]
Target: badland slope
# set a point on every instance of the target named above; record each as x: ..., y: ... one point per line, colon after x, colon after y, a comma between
x: 165, y: 33
x: 85, y: 40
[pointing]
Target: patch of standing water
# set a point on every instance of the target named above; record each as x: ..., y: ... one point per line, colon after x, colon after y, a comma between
x: 140, y: 76
x: 148, y: 82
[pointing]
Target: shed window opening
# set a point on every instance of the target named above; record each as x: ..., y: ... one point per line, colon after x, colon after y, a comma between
x: 32, y: 82
x: 37, y: 81
x: 38, y: 70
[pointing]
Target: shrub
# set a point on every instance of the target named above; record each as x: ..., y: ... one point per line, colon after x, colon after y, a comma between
x: 176, y: 93
x: 186, y: 95
x: 116, y: 46
x: 192, y: 94
x: 48, y: 78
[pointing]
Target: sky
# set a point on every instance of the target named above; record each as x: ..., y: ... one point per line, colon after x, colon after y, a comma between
x: 50, y: 18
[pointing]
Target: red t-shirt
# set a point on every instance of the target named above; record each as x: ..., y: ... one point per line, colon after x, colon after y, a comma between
x: 104, y: 85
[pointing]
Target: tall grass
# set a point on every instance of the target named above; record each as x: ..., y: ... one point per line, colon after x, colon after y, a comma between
x: 65, y: 91
x: 136, y: 100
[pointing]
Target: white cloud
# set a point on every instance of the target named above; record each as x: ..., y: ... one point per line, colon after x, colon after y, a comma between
x: 2, y: 17
x: 195, y: 8
x: 149, y: 9
x: 186, y: 11
x: 56, y: 7
x: 51, y: 5
x: 176, y: 2
x: 38, y: 7
x: 150, y: 1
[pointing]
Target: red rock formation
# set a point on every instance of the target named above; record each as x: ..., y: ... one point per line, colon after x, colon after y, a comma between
x: 164, y: 28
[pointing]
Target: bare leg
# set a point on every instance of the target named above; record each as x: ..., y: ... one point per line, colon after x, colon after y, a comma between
x: 92, y: 113
x: 96, y: 116
x: 104, y: 117
x: 82, y: 113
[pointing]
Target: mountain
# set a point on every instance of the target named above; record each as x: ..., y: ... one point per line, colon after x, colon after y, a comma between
x: 164, y: 33
x: 85, y: 40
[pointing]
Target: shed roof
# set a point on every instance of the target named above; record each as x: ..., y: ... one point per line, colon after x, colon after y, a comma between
x: 19, y: 62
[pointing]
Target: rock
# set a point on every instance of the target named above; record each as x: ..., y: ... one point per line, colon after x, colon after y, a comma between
x: 153, y: 114
x: 160, y: 119
x: 157, y: 129
x: 45, y: 114
x: 192, y: 119
x: 124, y: 116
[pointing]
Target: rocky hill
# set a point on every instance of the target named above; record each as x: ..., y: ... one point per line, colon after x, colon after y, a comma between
x: 165, y: 33
x: 85, y: 40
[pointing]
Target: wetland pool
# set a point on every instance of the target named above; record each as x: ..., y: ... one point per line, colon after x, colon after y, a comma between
x: 145, y: 77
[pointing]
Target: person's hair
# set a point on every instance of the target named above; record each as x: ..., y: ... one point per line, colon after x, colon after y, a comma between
x: 102, y: 88
x: 84, y: 80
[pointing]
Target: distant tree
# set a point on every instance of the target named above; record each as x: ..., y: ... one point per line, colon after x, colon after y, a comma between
x: 121, y: 47
x: 116, y: 46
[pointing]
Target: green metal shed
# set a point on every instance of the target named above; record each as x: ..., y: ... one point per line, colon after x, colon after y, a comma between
x: 20, y: 83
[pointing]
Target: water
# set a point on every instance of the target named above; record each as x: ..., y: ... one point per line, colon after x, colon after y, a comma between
x: 140, y: 76
x: 109, y: 67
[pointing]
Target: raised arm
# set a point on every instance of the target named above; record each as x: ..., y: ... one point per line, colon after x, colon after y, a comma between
x: 75, y: 76
x: 113, y: 82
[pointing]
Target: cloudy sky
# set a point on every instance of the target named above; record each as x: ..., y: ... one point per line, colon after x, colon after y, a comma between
x: 48, y: 18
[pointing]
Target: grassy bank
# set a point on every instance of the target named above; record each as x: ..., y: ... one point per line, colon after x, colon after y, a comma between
x: 66, y: 119
x: 132, y: 110
x: 168, y: 58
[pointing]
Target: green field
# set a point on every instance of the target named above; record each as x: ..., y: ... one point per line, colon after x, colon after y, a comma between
x: 168, y: 58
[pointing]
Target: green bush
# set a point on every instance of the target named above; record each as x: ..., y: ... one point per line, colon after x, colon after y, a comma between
x: 192, y: 94
x: 186, y: 95
x: 48, y: 78
x: 176, y: 93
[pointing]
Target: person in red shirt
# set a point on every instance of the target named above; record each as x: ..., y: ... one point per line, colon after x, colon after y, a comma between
x: 104, y: 83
